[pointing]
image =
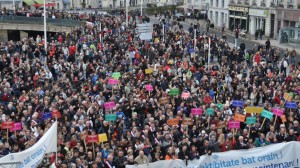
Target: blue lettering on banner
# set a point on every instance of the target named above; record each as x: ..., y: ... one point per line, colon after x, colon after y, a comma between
x: 34, y: 157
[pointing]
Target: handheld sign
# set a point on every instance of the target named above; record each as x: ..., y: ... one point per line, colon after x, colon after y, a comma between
x: 234, y: 124
x: 109, y: 105
x: 267, y: 114
x: 220, y: 106
x: 7, y: 125
x: 277, y: 112
x: 56, y: 114
x: 185, y: 95
x: 187, y: 121
x: 283, y: 118
x: 196, y: 111
x: 164, y: 100
x: 174, y: 92
x: 291, y: 105
x: 239, y: 117
x: 288, y: 97
x: 110, y: 117
x: 17, y: 127
x: 250, y: 120
x: 102, y: 137
x: 46, y: 116
x: 116, y: 75
x: 210, y: 111
x: 148, y: 71
x: 113, y: 81
x: 149, y: 87
x: 173, y: 121
x: 254, y: 109
x: 92, y: 138
x: 237, y: 103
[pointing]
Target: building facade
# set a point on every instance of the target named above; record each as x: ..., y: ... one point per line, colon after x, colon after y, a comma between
x: 218, y: 12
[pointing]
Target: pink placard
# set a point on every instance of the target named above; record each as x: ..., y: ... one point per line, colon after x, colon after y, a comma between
x: 109, y: 105
x: 17, y: 127
x: 149, y: 87
x: 185, y: 95
x: 196, y: 111
x: 277, y: 112
x: 234, y: 124
x: 113, y: 81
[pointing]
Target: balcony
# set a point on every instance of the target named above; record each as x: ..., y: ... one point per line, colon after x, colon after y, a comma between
x: 263, y: 3
x: 254, y: 3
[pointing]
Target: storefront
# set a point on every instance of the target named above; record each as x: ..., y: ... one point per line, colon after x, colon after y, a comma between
x: 238, y: 17
x: 258, y: 19
x: 289, y: 26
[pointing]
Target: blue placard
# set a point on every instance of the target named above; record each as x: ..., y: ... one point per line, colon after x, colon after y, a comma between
x: 191, y: 50
x: 237, y: 103
x: 291, y: 105
x: 45, y: 116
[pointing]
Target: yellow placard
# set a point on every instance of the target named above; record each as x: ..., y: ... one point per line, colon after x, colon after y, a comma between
x: 148, y: 71
x: 156, y: 40
x: 254, y: 109
x: 102, y: 137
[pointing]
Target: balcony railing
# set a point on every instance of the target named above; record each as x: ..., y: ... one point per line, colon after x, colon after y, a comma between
x: 40, y: 20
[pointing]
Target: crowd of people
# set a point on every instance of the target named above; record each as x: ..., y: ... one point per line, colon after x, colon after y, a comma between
x: 71, y: 77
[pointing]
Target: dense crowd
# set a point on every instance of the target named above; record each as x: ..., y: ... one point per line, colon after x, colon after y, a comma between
x: 71, y: 77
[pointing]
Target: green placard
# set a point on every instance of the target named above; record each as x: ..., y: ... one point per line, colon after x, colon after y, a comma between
x: 220, y: 106
x: 210, y: 111
x: 266, y: 114
x: 116, y: 75
x: 110, y: 117
x: 250, y: 120
x: 174, y: 92
x: 291, y: 94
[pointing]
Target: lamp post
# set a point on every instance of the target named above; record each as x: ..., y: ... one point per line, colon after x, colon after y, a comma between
x: 126, y: 4
x: 45, y: 27
x: 14, y: 6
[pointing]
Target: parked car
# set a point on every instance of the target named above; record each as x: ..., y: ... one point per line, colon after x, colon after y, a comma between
x: 179, y: 17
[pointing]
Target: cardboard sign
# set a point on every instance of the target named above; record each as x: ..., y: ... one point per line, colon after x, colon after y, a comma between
x: 173, y: 121
x: 149, y: 87
x: 283, y: 118
x: 288, y: 97
x: 56, y: 114
x: 185, y: 95
x: 116, y: 75
x: 277, y: 112
x: 254, y: 109
x: 46, y: 116
x: 291, y: 105
x: 196, y: 111
x: 237, y: 103
x: 110, y: 117
x: 250, y: 120
x: 174, y: 92
x: 17, y: 127
x: 267, y: 114
x: 148, y: 71
x: 210, y: 111
x: 164, y: 100
x: 109, y: 105
x: 7, y: 125
x: 113, y: 81
x: 239, y: 117
x: 92, y: 138
x: 234, y: 124
x: 220, y: 106
x: 187, y: 121
x: 102, y: 137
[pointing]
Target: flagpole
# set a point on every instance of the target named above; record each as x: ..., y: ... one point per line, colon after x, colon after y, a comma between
x: 56, y: 150
x: 45, y: 27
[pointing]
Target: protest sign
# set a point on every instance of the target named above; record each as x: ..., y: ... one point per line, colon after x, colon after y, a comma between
x: 250, y: 120
x: 92, y: 138
x: 239, y: 117
x: 291, y: 105
x: 254, y: 109
x: 164, y: 100
x: 220, y: 106
x: 187, y: 121
x: 185, y: 95
x: 7, y: 125
x: 110, y: 117
x: 234, y: 124
x: 237, y: 103
x: 174, y: 92
x: 267, y: 114
x: 283, y: 118
x: 210, y: 111
x: 56, y: 114
x: 173, y: 121
x: 102, y: 137
x: 112, y: 81
x: 116, y: 75
x: 196, y: 111
x: 17, y: 127
x: 148, y: 71
x: 277, y: 112
x: 149, y: 87
x: 46, y: 116
x: 288, y: 97
x: 109, y: 105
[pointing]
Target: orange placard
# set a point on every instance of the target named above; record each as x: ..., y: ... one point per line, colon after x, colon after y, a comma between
x: 239, y: 117
x: 287, y: 97
x: 164, y: 100
x: 283, y: 118
x: 187, y: 121
x: 173, y: 121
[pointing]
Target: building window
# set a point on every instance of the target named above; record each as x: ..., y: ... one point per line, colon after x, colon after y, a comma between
x: 290, y: 1
x: 223, y: 3
x: 211, y: 2
x: 217, y: 3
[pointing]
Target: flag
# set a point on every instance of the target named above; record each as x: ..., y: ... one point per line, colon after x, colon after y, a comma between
x: 53, y: 165
x: 35, y: 154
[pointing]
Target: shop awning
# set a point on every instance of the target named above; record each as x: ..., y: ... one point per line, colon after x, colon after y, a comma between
x: 28, y: 2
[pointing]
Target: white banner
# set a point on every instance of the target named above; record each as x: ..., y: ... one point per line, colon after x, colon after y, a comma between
x: 281, y: 155
x: 31, y: 157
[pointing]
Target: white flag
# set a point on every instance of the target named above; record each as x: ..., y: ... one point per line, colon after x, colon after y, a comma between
x: 53, y: 165
x: 32, y: 156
